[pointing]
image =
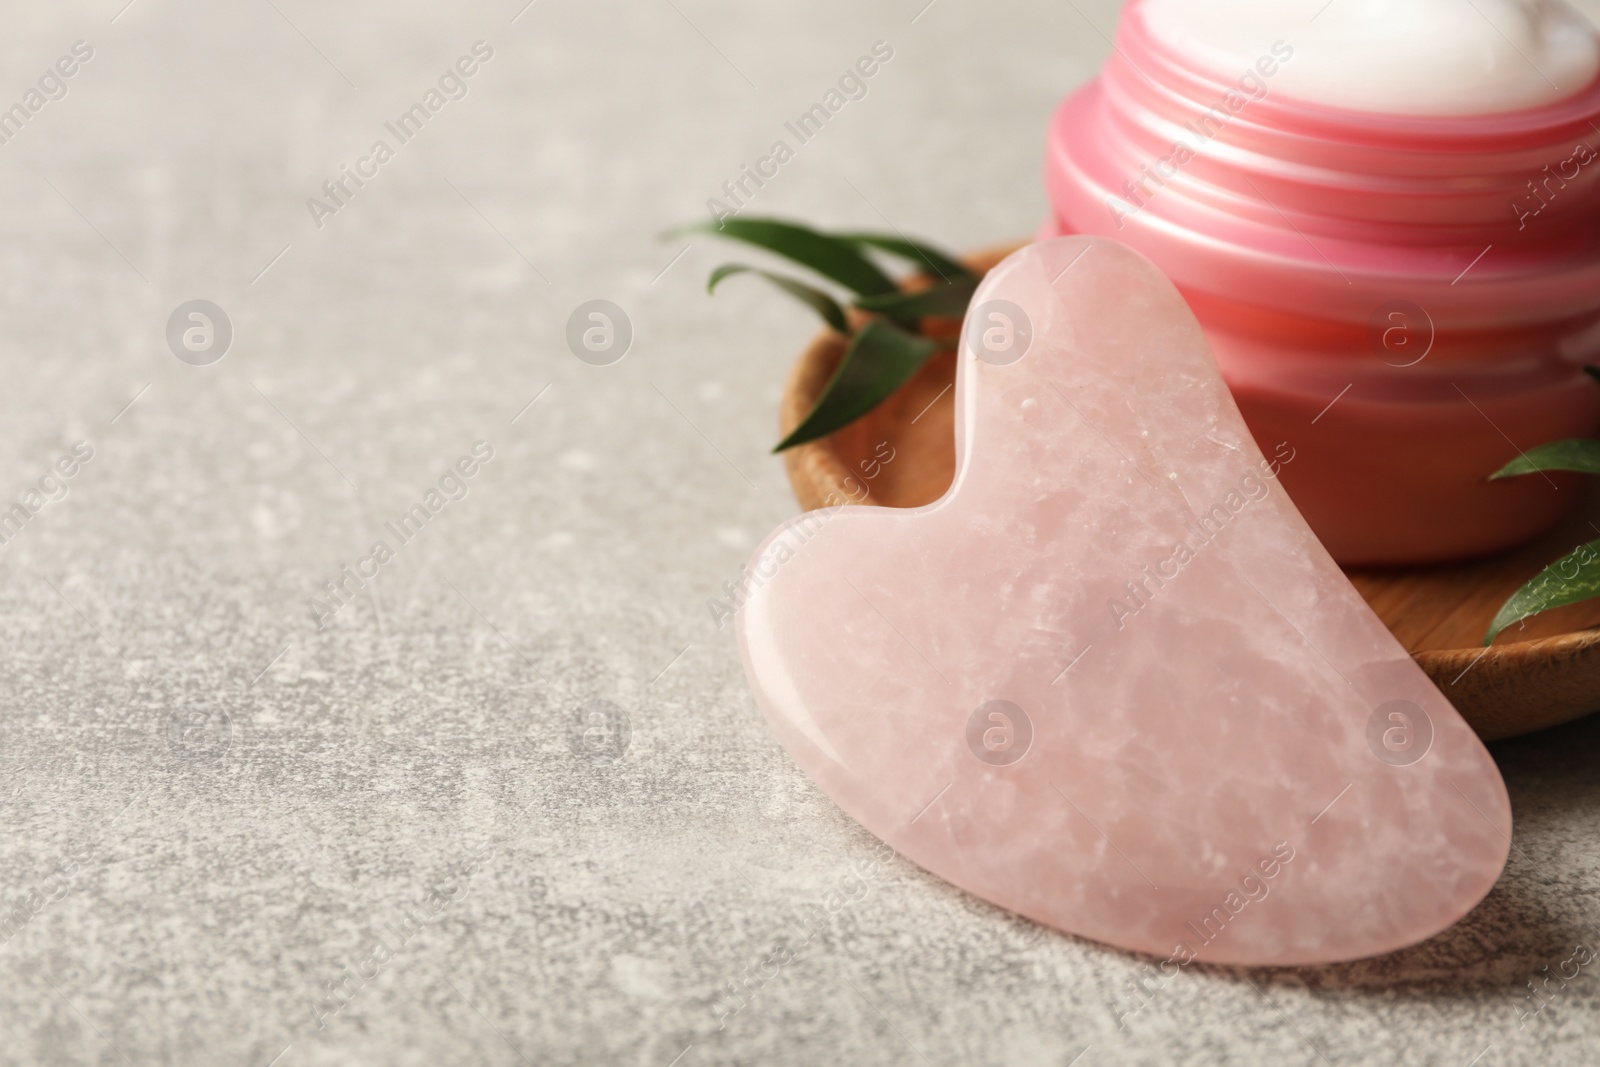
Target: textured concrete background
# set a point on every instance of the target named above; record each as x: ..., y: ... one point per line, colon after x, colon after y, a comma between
x: 214, y: 811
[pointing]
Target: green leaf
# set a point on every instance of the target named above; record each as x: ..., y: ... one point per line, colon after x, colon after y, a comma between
x: 919, y: 253
x: 880, y: 359
x: 1581, y: 456
x: 1570, y: 579
x: 814, y: 298
x: 948, y: 300
x: 832, y: 257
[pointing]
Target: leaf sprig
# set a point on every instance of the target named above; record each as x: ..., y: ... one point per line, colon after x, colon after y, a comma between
x: 1574, y: 577
x: 888, y: 346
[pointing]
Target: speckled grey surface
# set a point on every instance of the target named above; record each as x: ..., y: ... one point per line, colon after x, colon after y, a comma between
x: 215, y: 811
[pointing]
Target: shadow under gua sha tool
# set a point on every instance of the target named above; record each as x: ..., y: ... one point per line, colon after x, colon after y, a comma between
x: 1111, y: 681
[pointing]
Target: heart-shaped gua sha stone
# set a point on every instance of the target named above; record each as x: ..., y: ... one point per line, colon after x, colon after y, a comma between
x: 1111, y: 681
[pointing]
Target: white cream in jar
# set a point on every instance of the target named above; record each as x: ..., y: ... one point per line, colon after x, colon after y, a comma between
x: 1400, y: 57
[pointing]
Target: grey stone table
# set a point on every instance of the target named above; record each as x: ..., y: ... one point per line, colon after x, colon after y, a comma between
x: 506, y: 798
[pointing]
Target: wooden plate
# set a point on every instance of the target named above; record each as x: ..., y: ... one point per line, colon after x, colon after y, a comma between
x: 1546, y: 673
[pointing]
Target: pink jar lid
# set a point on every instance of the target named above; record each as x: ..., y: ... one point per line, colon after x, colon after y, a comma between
x: 1304, y: 209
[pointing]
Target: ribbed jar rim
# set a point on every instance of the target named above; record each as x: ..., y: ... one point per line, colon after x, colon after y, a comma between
x: 1299, y: 203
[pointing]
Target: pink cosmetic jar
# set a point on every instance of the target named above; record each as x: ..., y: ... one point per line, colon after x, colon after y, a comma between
x: 1407, y: 302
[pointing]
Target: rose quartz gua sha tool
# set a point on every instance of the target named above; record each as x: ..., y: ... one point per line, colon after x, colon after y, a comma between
x: 1111, y: 681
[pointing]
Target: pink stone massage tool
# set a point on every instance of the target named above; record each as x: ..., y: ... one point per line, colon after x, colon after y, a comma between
x: 1111, y: 681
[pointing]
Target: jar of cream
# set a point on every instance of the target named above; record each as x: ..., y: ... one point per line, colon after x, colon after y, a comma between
x: 1385, y: 214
